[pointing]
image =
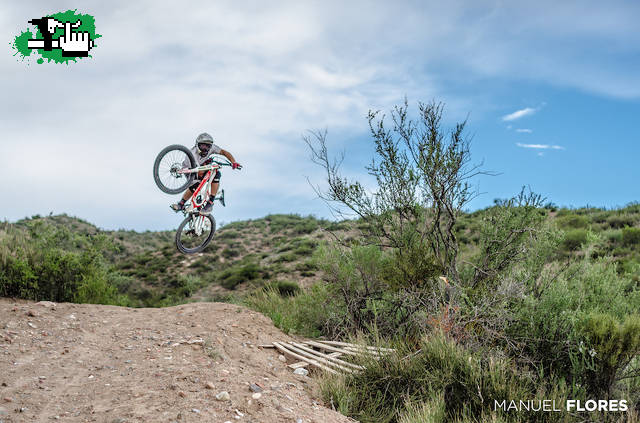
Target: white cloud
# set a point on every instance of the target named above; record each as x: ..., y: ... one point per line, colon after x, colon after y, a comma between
x: 527, y: 111
x: 524, y: 130
x: 540, y: 146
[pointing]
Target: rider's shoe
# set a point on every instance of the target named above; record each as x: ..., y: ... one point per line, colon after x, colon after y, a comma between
x: 177, y: 207
x: 206, y: 210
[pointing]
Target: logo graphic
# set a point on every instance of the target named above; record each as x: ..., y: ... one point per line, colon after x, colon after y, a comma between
x: 60, y: 37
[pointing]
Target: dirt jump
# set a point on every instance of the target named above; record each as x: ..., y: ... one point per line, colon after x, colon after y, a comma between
x: 197, y: 362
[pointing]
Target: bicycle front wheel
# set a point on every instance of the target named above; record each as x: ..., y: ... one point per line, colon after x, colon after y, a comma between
x: 195, y: 233
x: 165, y: 169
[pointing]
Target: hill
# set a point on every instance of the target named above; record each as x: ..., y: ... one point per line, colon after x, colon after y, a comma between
x: 278, y: 250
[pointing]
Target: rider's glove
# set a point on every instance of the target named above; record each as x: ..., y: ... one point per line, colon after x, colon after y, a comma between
x: 236, y: 165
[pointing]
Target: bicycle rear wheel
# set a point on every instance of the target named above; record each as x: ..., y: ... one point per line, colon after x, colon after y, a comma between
x: 165, y: 169
x: 195, y: 233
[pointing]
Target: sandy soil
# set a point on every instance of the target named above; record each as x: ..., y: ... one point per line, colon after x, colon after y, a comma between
x: 94, y: 363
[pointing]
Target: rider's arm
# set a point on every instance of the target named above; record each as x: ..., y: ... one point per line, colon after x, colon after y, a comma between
x: 228, y: 155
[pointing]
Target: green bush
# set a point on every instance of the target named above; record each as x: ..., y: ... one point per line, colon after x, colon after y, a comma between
x: 41, y: 261
x: 631, y: 237
x: 549, y: 327
x: 620, y: 220
x: 229, y: 253
x: 613, y: 346
x: 284, y: 288
x: 574, y: 239
x: 440, y: 380
x: 239, y: 273
x: 573, y: 221
x: 304, y: 314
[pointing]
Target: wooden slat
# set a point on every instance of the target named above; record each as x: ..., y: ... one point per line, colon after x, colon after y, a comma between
x: 346, y: 344
x: 324, y: 356
x: 303, y: 353
x: 360, y: 351
x: 300, y: 357
x: 305, y: 364
x: 330, y: 348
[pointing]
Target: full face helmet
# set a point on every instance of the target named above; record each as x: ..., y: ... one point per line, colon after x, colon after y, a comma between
x: 204, y: 142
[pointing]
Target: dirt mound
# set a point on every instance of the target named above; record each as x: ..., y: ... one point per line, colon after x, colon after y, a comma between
x: 84, y: 362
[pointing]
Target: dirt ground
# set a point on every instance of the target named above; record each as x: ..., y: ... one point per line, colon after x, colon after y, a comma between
x: 95, y: 363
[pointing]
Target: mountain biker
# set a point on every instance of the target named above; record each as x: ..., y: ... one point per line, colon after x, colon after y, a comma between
x: 202, y: 151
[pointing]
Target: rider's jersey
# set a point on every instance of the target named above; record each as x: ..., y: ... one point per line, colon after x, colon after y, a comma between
x: 213, y: 150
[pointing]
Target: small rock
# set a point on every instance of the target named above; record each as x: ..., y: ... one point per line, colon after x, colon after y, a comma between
x: 209, y: 385
x: 182, y: 394
x: 301, y: 371
x: 298, y: 420
x: 31, y: 325
x: 31, y: 313
x: 8, y: 399
x: 255, y: 388
x: 282, y: 358
x: 257, y: 395
x: 223, y: 396
x: 118, y: 420
x: 46, y: 304
x: 195, y: 410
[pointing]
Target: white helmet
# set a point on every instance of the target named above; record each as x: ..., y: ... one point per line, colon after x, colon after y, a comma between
x: 204, y: 142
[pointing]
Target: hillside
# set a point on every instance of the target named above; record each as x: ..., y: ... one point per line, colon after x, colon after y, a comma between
x: 278, y: 249
x: 82, y: 362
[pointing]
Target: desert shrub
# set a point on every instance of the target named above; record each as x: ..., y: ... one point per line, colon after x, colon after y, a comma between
x: 550, y: 328
x: 41, y: 261
x: 228, y: 234
x: 630, y: 237
x: 304, y: 313
x: 307, y: 266
x: 284, y: 288
x: 239, y: 273
x: 573, y: 221
x: 440, y: 379
x: 574, y: 239
x: 613, y: 346
x: 285, y: 258
x: 370, y: 285
x: 620, y: 220
x: 229, y: 253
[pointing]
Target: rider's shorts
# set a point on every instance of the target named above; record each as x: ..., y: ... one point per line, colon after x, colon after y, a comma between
x: 196, y: 182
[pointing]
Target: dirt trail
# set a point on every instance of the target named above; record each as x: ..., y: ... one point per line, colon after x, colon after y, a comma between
x: 84, y: 362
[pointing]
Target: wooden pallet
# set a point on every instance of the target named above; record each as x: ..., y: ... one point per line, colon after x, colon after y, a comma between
x: 326, y: 355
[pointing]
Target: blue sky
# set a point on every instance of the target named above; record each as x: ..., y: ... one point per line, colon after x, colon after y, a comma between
x: 82, y: 138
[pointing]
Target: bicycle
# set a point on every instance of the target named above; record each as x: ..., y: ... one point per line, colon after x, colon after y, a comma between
x: 173, y: 177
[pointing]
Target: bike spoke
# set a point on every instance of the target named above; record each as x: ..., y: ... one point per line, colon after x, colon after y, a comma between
x: 171, y: 162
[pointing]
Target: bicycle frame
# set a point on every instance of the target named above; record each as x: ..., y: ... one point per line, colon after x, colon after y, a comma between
x: 201, y: 194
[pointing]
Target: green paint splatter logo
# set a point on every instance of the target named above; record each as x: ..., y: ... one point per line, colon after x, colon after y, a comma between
x: 59, y: 38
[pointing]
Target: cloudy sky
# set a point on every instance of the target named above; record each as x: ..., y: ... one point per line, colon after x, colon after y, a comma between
x: 551, y: 89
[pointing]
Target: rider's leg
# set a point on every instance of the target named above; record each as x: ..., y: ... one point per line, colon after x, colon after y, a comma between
x: 187, y: 194
x: 213, y: 190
